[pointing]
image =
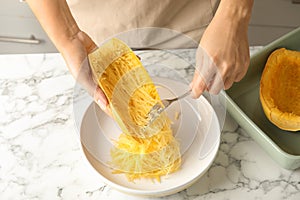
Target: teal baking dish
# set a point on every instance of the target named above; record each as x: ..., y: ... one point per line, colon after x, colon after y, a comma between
x: 243, y: 104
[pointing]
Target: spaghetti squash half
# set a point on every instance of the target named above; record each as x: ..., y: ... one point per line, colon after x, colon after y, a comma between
x: 280, y: 89
x: 143, y: 150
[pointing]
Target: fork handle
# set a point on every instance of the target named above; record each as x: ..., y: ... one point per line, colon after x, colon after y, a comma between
x: 183, y: 95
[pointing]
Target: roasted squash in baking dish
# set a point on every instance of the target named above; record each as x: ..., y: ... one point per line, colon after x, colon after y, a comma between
x: 280, y: 89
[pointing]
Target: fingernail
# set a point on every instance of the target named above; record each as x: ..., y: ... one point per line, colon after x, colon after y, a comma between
x: 100, y: 103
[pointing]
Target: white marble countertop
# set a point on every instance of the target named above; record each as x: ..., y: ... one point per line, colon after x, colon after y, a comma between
x: 40, y: 155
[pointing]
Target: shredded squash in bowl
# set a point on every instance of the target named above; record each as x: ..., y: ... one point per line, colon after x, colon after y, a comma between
x: 142, y: 150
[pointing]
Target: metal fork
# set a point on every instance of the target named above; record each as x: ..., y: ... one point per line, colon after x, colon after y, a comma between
x: 159, y: 108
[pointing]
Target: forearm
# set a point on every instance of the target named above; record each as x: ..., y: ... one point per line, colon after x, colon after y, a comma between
x: 57, y: 20
x: 237, y: 11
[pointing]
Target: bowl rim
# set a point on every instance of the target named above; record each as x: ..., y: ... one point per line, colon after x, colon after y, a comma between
x: 151, y: 192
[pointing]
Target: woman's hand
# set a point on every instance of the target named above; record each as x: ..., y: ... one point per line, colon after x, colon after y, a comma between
x: 57, y: 20
x: 223, y: 54
x: 75, y: 55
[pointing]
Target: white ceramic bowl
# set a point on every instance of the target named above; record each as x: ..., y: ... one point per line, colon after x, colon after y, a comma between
x: 197, y: 129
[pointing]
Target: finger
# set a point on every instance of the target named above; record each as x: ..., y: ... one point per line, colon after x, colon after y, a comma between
x: 240, y: 75
x: 228, y: 83
x: 85, y: 78
x: 216, y: 84
x: 101, y: 100
x: 99, y: 97
x: 242, y: 66
x: 204, y: 73
x: 212, y: 79
x: 198, y: 85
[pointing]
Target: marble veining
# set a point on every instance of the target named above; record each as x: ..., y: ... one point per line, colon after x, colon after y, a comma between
x: 40, y: 155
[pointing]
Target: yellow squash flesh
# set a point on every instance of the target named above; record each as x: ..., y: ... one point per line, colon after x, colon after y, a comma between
x: 139, y: 152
